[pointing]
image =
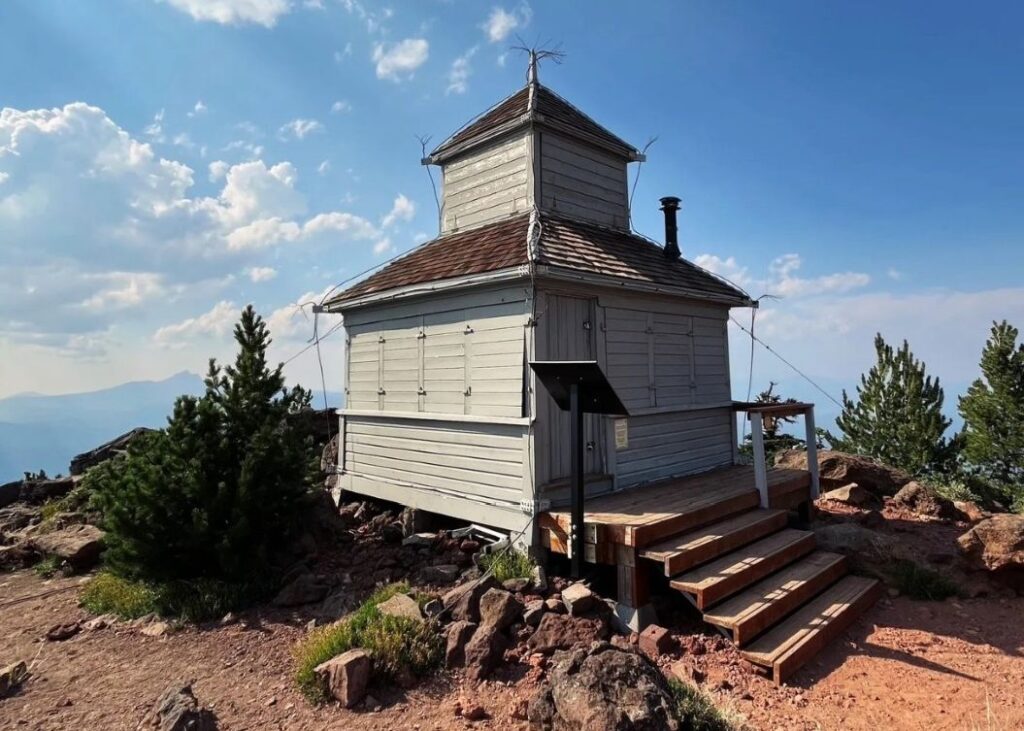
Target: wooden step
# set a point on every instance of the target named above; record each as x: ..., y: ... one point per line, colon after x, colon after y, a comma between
x: 726, y: 575
x: 685, y: 551
x: 795, y: 640
x: 754, y: 610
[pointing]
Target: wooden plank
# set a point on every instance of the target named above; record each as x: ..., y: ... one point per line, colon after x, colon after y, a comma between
x: 633, y: 579
x: 714, y: 581
x: 752, y: 611
x: 683, y: 552
x: 796, y: 640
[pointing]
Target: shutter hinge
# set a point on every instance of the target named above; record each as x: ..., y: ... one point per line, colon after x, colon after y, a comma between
x: 586, y: 324
x: 380, y: 339
x: 468, y: 330
x: 421, y: 335
x: 468, y: 391
x: 530, y: 322
x: 421, y: 391
x: 381, y: 391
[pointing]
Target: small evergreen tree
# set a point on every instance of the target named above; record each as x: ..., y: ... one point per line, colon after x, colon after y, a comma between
x: 993, y: 413
x: 775, y: 440
x: 217, y: 492
x: 897, y: 415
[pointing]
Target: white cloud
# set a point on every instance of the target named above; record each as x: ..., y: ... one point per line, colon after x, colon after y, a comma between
x: 217, y: 322
x: 261, y: 274
x: 397, y: 60
x: 120, y: 290
x: 458, y: 74
x: 402, y: 209
x: 894, y: 274
x: 234, y: 12
x: 299, y: 129
x: 783, y: 279
x: 374, y: 21
x: 198, y: 109
x: 155, y: 129
x: 382, y: 247
x: 324, y: 167
x: 341, y: 107
x: 218, y: 170
x: 500, y: 23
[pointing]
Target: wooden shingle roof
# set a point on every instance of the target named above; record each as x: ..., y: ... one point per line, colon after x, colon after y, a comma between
x: 549, y: 109
x: 564, y: 245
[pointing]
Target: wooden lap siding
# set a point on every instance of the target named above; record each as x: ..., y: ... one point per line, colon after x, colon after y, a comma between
x: 675, y: 443
x: 487, y: 185
x: 581, y: 181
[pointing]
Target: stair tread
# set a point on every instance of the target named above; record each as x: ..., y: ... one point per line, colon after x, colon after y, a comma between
x: 738, y: 561
x: 756, y: 607
x: 811, y: 626
x: 695, y: 539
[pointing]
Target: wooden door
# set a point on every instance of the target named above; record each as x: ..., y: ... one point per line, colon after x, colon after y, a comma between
x: 570, y: 333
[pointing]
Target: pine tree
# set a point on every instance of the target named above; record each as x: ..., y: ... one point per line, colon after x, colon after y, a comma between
x: 775, y: 440
x: 993, y: 413
x: 897, y: 415
x: 218, y: 492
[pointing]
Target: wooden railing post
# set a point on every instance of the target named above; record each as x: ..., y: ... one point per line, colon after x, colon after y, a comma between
x: 812, y: 451
x: 760, y: 463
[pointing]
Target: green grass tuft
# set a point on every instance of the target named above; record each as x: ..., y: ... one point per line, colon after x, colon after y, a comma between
x: 110, y: 594
x: 192, y: 601
x: 507, y: 564
x: 921, y: 582
x: 49, y: 566
x: 395, y: 643
x: 696, y: 711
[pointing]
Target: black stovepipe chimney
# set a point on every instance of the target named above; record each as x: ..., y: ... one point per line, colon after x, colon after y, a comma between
x: 670, y: 204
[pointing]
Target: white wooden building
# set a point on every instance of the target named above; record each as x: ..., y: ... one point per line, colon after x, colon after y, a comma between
x: 535, y: 261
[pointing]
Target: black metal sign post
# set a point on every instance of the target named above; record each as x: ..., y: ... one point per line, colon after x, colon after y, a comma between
x: 578, y: 387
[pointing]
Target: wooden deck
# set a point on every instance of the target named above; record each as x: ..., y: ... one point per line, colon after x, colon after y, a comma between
x: 641, y: 516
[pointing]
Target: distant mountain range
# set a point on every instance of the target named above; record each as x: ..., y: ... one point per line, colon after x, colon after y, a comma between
x: 45, y: 432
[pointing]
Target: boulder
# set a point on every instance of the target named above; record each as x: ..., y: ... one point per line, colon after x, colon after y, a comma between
x: 118, y: 445
x: 970, y: 511
x: 499, y: 609
x: 401, y: 605
x: 10, y: 492
x: 16, y: 518
x: 17, y: 556
x: 539, y: 579
x: 533, y: 612
x: 578, y: 599
x: 463, y: 602
x: 11, y: 677
x: 157, y: 629
x: 996, y: 544
x: 852, y: 494
x: 303, y: 589
x: 346, y: 676
x: 441, y: 574
x: 178, y: 710
x: 79, y: 545
x: 484, y: 651
x: 37, y: 492
x: 516, y: 586
x: 603, y: 689
x: 837, y: 469
x: 563, y: 632
x: 924, y: 501
x: 459, y: 635
x: 61, y: 632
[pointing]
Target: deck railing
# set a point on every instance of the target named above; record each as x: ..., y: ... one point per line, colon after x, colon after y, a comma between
x: 757, y: 413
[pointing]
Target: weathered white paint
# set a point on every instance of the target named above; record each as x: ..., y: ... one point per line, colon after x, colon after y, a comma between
x: 582, y: 181
x: 487, y: 184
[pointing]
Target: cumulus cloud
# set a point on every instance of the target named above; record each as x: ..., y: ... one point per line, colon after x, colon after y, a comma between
x: 218, y: 170
x: 324, y: 167
x: 458, y: 74
x: 217, y: 322
x: 198, y: 109
x: 402, y: 209
x: 121, y: 290
x: 234, y: 12
x: 396, y: 61
x: 501, y: 23
x: 261, y: 274
x: 299, y: 129
x: 341, y: 107
x: 783, y: 279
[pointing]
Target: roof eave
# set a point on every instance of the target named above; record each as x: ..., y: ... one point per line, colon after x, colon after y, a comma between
x: 338, y: 304
x: 639, y: 285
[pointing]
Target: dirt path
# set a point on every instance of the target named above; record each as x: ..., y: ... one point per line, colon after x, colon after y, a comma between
x: 906, y: 665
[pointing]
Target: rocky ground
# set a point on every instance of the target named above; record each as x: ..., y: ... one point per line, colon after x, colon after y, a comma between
x: 907, y: 664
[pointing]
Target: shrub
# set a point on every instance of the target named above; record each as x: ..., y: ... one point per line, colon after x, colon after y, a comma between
x: 110, y: 594
x: 921, y: 582
x: 695, y: 710
x: 509, y: 563
x: 218, y: 492
x: 49, y: 510
x: 49, y: 566
x: 395, y: 643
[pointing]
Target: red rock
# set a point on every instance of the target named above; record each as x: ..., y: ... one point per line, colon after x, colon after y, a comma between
x: 499, y: 609
x: 346, y: 676
x: 561, y: 632
x: 459, y: 634
x: 655, y: 641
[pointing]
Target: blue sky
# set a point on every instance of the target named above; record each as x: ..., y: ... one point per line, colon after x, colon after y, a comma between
x: 163, y: 162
